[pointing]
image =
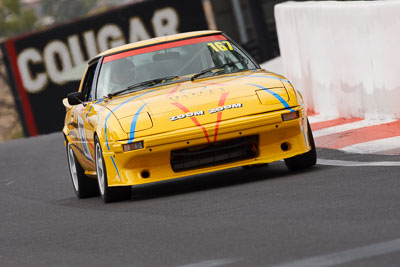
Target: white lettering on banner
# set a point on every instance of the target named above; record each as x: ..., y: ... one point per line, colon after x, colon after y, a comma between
x: 76, y: 51
x: 90, y: 43
x: 33, y: 84
x: 110, y: 36
x: 165, y: 21
x: 137, y: 30
x: 53, y: 50
x: 58, y: 57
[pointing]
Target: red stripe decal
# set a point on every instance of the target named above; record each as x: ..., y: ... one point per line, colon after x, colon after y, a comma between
x: 26, y: 105
x: 206, y: 83
x: 326, y: 124
x: 184, y: 109
x: 90, y: 144
x: 91, y: 164
x: 153, y: 48
x: 219, y: 115
x: 357, y: 136
x: 174, y: 90
x: 83, y: 157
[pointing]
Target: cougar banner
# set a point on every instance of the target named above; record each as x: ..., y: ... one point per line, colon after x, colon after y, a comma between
x: 40, y: 65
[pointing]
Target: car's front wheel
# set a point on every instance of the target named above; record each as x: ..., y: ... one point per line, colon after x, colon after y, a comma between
x: 84, y: 186
x: 305, y: 160
x: 108, y: 194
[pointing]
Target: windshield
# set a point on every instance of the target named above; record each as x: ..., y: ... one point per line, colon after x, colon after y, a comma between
x: 183, y: 58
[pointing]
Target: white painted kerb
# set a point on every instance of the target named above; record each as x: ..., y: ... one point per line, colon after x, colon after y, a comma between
x: 343, y: 56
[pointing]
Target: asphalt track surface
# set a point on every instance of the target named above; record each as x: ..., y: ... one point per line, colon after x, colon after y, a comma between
x: 325, y: 216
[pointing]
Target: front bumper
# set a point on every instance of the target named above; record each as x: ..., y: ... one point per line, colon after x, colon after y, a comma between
x: 153, y: 162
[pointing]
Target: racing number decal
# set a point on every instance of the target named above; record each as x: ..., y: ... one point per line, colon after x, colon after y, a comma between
x: 84, y: 141
x: 220, y: 46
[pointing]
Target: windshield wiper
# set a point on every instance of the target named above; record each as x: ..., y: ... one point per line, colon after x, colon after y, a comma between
x: 232, y: 64
x: 144, y: 83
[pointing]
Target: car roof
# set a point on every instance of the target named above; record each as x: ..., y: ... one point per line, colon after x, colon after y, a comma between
x: 157, y: 40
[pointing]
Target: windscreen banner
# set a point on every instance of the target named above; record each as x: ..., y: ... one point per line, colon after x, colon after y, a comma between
x: 43, y: 67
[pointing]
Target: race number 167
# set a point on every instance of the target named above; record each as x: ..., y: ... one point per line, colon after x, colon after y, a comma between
x: 220, y: 46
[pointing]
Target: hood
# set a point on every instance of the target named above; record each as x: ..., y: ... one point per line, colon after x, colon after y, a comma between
x: 178, y: 105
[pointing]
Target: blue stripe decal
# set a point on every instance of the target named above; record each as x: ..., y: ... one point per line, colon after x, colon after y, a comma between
x: 115, y: 165
x: 284, y: 103
x: 133, y: 124
x: 96, y: 102
x: 270, y: 77
x: 105, y: 130
x: 117, y: 107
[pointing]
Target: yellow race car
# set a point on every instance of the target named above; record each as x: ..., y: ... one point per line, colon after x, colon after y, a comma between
x: 175, y: 106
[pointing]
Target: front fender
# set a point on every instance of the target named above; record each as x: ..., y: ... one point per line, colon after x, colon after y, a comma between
x: 109, y: 130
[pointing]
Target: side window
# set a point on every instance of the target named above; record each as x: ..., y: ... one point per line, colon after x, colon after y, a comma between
x: 88, y: 82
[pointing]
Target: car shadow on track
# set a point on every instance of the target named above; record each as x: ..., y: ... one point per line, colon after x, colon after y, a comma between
x: 276, y: 171
x: 215, y: 180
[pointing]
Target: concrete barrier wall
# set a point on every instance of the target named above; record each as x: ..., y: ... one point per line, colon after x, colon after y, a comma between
x: 343, y: 56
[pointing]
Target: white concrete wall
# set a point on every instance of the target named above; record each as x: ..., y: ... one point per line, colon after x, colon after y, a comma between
x: 274, y: 65
x: 343, y: 56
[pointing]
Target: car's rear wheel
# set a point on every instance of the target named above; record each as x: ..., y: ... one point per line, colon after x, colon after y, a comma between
x: 108, y: 194
x: 306, y: 160
x: 83, y: 185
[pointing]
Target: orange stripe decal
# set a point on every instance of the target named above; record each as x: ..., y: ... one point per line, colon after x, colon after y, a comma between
x: 174, y: 90
x: 91, y: 164
x: 82, y: 157
x: 219, y: 115
x: 209, y: 84
x: 184, y: 109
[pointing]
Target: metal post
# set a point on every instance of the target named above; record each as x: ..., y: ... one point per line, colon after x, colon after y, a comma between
x: 209, y: 14
x: 261, y: 31
x: 238, y: 11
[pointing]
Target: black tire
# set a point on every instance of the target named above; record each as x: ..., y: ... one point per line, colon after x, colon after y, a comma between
x: 108, y: 194
x: 306, y: 160
x: 84, y: 186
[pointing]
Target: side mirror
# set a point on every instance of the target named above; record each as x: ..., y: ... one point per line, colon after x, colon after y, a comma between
x: 75, y: 98
x: 66, y: 103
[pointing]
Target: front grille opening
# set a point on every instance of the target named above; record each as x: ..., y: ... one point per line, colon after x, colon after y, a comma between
x: 214, y: 154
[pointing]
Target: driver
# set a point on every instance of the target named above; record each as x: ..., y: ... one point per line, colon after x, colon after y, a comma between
x: 123, y: 74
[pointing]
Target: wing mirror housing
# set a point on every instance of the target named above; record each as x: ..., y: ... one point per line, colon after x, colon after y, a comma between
x: 75, y: 98
x: 66, y: 103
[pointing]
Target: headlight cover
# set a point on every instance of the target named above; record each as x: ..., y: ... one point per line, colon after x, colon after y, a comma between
x: 138, y: 122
